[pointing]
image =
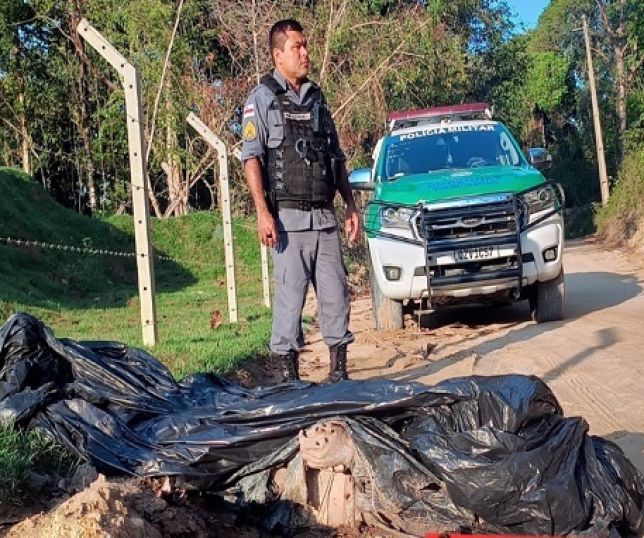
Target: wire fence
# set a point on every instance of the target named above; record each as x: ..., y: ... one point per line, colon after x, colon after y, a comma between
x: 24, y: 243
x: 204, y: 282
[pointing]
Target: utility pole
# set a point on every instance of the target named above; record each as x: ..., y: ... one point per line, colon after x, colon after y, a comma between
x: 599, y: 139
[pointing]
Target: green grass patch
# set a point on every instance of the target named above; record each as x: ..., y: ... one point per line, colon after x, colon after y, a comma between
x: 88, y: 297
x: 23, y: 453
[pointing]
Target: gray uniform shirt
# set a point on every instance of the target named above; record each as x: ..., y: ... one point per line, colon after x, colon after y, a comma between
x: 263, y: 128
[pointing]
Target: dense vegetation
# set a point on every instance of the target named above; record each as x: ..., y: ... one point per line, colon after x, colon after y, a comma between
x: 621, y: 222
x: 62, y: 113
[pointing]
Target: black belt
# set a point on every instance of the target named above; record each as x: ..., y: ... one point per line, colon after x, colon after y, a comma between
x: 303, y: 205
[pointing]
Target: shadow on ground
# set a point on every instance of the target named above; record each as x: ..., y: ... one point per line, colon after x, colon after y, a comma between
x: 52, y: 257
x: 38, y: 277
x: 585, y: 293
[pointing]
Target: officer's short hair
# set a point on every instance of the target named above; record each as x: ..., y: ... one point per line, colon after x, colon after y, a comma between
x: 277, y: 34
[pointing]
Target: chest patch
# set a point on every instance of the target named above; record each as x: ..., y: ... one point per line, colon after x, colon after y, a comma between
x: 302, y: 116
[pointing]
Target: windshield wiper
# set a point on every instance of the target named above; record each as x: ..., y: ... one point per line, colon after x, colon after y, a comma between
x: 396, y: 176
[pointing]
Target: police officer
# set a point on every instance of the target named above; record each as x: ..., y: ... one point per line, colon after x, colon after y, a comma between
x: 293, y: 166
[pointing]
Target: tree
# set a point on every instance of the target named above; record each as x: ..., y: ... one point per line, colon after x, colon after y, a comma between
x: 17, y: 54
x: 62, y: 110
x: 613, y: 17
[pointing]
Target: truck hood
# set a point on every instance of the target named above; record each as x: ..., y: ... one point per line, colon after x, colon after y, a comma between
x: 440, y: 185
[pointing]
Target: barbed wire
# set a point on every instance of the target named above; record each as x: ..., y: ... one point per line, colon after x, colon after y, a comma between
x: 69, y: 248
x: 107, y: 252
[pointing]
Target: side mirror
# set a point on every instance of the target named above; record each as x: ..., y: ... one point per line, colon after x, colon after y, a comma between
x: 360, y: 179
x: 540, y: 158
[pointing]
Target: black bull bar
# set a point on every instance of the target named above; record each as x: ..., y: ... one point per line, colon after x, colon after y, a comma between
x: 423, y: 224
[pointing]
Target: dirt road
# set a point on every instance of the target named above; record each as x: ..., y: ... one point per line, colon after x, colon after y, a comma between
x: 593, y: 360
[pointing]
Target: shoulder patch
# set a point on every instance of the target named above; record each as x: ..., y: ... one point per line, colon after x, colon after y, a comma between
x: 250, y: 131
x: 249, y: 110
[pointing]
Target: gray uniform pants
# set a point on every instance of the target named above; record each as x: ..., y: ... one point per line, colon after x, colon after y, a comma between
x: 300, y: 258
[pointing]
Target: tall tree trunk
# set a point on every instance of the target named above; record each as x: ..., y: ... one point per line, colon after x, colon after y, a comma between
x: 7, y: 154
x: 255, y: 30
x: 620, y: 77
x: 88, y: 162
x: 176, y: 196
x: 617, y: 32
x: 25, y: 137
x: 75, y: 9
x: 536, y: 136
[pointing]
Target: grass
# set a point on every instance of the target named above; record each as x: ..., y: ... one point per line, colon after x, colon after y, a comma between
x: 83, y: 296
x: 88, y: 297
x: 22, y: 453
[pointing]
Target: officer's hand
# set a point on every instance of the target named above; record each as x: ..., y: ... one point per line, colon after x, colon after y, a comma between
x: 352, y: 220
x: 267, y: 229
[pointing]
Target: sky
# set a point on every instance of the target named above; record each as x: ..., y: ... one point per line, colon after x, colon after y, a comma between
x: 528, y: 11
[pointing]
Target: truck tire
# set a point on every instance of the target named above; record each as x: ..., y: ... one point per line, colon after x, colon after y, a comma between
x: 547, y: 300
x: 388, y: 313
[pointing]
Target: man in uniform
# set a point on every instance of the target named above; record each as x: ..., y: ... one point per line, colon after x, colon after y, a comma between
x: 293, y: 166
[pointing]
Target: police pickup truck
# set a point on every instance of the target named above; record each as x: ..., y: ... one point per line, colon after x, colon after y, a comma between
x: 459, y: 215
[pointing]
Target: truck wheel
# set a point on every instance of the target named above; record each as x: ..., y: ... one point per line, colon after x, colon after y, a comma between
x: 388, y: 313
x: 547, y: 300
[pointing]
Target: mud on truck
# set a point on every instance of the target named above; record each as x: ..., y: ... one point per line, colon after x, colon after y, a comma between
x: 459, y: 214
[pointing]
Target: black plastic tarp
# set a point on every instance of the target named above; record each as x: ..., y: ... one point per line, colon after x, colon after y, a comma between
x: 499, y: 447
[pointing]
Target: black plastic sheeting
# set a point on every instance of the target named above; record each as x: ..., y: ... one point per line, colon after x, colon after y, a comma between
x: 501, y: 447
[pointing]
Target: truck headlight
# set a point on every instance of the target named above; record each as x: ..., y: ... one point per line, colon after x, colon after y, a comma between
x: 396, y: 217
x: 542, y: 199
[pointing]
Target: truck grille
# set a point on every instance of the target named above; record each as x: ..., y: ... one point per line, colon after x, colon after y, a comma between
x: 487, y: 219
x: 475, y: 223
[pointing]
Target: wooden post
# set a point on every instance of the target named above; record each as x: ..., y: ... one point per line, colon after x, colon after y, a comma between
x: 139, y: 176
x: 599, y: 138
x: 218, y: 145
x: 263, y: 250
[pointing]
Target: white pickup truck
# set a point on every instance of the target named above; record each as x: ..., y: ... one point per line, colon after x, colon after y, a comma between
x: 459, y: 215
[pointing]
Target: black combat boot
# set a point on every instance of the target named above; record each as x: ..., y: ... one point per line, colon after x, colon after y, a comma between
x: 338, y: 363
x: 289, y: 364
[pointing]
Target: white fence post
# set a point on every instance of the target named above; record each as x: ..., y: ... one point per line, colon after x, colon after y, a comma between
x: 222, y: 154
x: 139, y: 175
x: 263, y: 250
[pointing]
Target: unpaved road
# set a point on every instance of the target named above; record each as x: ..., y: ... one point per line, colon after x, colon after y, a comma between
x: 593, y: 360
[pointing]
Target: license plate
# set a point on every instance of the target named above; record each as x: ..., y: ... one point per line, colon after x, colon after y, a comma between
x: 476, y: 254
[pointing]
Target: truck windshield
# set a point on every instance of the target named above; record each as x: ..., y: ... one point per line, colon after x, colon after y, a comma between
x: 449, y: 147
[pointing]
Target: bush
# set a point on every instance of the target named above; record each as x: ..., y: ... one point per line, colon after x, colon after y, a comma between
x: 619, y: 221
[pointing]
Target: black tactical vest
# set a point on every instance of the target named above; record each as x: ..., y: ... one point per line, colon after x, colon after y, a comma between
x: 301, y: 167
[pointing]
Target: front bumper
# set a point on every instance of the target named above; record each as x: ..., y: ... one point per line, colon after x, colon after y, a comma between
x: 413, y: 282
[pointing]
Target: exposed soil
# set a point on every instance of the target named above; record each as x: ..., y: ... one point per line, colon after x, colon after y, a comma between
x: 141, y: 508
x: 131, y: 508
x: 592, y: 360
